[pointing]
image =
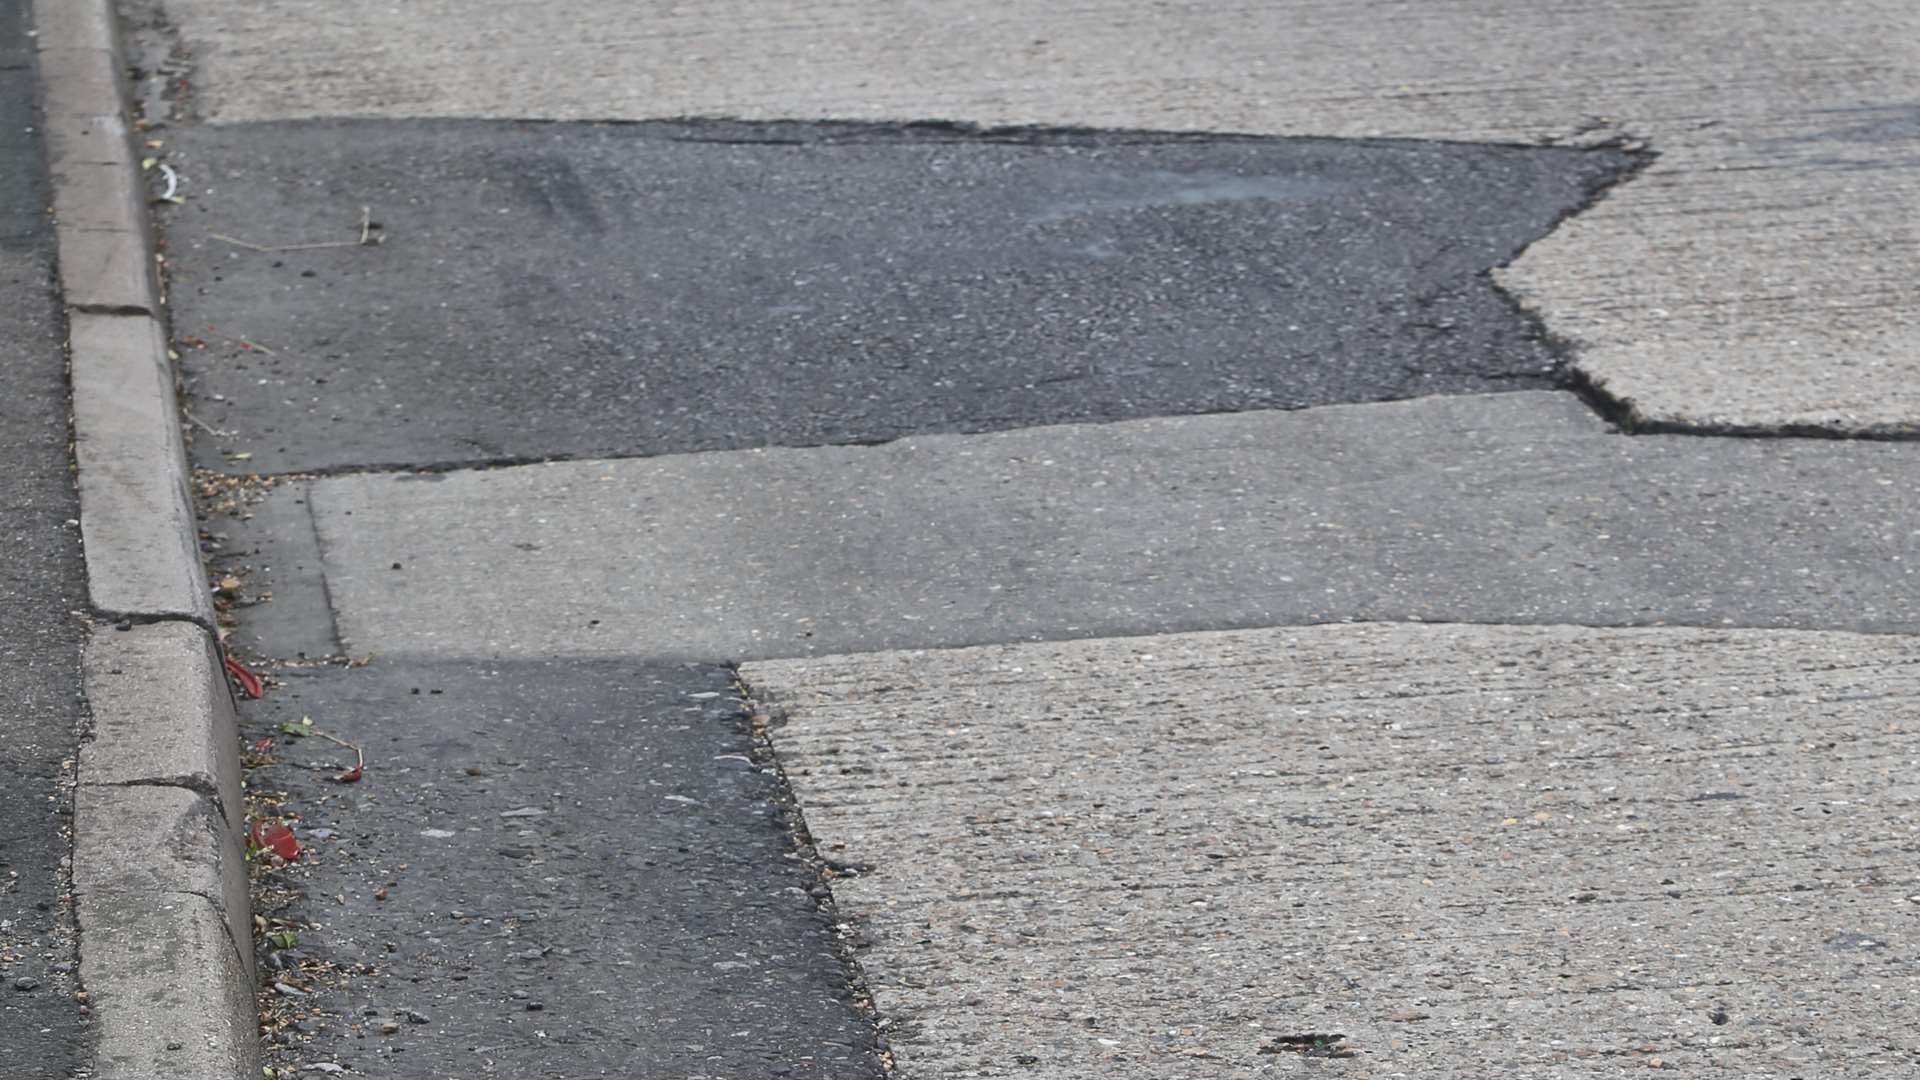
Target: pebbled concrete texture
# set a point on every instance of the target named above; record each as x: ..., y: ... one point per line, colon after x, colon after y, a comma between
x: 549, y: 869
x: 1501, y: 508
x: 610, y: 291
x: 1760, y: 276
x: 1467, y: 850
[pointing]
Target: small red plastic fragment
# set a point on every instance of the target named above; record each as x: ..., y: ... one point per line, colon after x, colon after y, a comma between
x: 249, y: 682
x: 276, y: 838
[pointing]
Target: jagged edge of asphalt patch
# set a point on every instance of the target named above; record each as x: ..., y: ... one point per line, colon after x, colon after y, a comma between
x: 760, y: 718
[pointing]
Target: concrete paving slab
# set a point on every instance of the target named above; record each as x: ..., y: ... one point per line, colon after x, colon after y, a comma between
x: 1502, y: 508
x: 549, y: 869
x: 1450, y: 851
x: 609, y: 291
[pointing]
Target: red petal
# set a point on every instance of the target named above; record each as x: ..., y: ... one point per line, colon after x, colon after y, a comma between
x: 263, y: 744
x: 249, y: 682
x: 349, y: 776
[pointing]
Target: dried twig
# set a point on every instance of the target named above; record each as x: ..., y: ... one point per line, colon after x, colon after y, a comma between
x: 237, y: 242
x: 251, y: 345
x: 359, y: 758
x: 204, y: 426
x: 367, y: 239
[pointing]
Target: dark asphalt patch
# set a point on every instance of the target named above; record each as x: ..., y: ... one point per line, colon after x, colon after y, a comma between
x: 564, y: 868
x: 42, y: 582
x: 552, y: 290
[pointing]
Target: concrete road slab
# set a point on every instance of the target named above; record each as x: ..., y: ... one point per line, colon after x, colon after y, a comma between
x: 1760, y: 276
x: 1450, y: 851
x: 548, y: 869
x: 1502, y: 508
x: 607, y: 291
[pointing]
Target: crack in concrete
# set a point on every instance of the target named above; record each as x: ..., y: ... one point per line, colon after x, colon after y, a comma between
x: 198, y: 785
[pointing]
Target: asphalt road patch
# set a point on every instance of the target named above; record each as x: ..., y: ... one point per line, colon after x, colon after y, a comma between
x: 547, y: 291
x: 556, y: 868
x: 42, y: 582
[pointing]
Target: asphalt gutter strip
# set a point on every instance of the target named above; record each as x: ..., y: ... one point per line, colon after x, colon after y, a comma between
x: 159, y: 870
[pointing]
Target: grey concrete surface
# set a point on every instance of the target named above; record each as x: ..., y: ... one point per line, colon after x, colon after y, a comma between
x: 1471, y: 851
x: 135, y: 512
x: 1501, y: 508
x: 106, y: 255
x: 549, y: 869
x: 162, y: 715
x: 42, y: 583
x: 612, y: 291
x: 154, y: 877
x: 273, y: 548
x: 1760, y: 275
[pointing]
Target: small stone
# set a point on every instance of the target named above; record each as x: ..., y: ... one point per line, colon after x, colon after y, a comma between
x: 173, y: 1046
x: 123, y: 624
x: 1406, y: 1016
x: 535, y: 1006
x: 414, y: 1017
x: 1656, y: 1063
x: 389, y: 1028
x: 520, y: 995
x: 26, y: 982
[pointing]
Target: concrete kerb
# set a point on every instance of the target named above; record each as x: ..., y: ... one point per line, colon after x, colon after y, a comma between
x: 159, y: 869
